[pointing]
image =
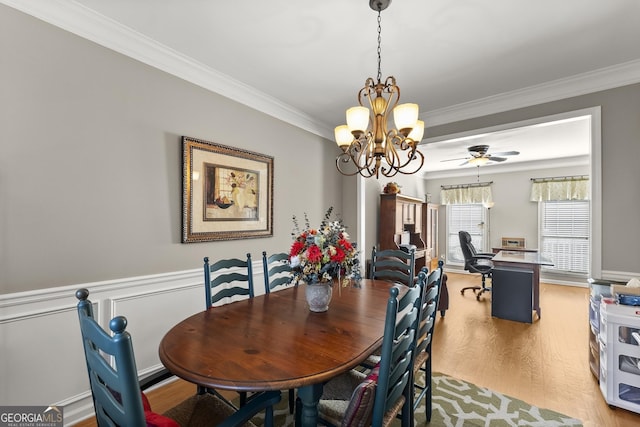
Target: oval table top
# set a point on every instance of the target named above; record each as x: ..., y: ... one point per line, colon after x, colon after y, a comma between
x: 273, y: 341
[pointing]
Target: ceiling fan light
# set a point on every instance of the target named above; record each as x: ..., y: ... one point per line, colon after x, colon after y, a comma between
x: 417, y: 132
x: 478, y: 161
x: 358, y: 119
x: 405, y: 117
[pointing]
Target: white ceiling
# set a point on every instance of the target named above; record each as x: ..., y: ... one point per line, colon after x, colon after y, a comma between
x: 304, y: 61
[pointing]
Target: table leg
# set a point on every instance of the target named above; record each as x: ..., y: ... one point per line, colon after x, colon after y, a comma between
x: 309, y: 396
x: 536, y: 289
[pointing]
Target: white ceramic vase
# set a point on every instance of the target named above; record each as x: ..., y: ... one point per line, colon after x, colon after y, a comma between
x: 318, y: 296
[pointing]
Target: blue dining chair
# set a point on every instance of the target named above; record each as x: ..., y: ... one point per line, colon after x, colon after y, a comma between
x: 227, y: 278
x: 277, y: 274
x: 277, y: 271
x: 376, y: 398
x: 393, y: 265
x: 424, y: 336
x: 118, y: 395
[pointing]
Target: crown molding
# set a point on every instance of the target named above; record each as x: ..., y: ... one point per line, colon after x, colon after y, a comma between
x: 88, y: 24
x: 84, y: 22
x: 510, y: 168
x: 581, y: 84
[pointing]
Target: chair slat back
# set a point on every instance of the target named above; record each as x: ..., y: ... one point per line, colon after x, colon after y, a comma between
x: 396, y: 362
x: 394, y: 265
x: 429, y: 303
x: 227, y: 278
x: 114, y: 386
x: 277, y: 271
x: 422, y: 357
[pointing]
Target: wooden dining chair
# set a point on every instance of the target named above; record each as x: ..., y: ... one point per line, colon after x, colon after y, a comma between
x: 376, y: 398
x: 118, y: 395
x: 227, y: 278
x: 225, y: 281
x: 277, y: 274
x: 277, y: 271
x: 394, y: 265
x: 424, y: 336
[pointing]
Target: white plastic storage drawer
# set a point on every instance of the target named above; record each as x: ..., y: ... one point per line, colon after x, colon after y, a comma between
x: 620, y: 355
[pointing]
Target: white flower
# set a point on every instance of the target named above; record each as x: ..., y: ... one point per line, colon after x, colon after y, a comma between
x: 295, y: 261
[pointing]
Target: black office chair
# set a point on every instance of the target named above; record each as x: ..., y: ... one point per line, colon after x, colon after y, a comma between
x: 475, y: 262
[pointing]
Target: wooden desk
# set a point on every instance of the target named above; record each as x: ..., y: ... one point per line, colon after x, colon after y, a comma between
x: 515, y: 285
x: 273, y: 342
x: 512, y: 249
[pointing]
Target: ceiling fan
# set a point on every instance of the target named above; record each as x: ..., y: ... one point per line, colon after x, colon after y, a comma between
x: 479, y: 156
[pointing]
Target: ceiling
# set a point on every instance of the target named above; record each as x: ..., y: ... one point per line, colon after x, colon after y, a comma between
x: 304, y: 61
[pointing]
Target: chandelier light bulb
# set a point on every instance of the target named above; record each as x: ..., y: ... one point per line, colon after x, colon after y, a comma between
x: 405, y: 117
x: 343, y: 136
x: 417, y: 132
x: 358, y: 119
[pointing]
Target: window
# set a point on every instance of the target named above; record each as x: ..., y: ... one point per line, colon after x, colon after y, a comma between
x: 467, y: 217
x: 564, y: 235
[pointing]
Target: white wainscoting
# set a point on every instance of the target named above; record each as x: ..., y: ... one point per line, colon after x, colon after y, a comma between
x: 42, y: 360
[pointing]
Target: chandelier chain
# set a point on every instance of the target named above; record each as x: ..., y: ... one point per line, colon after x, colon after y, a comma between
x: 379, y: 49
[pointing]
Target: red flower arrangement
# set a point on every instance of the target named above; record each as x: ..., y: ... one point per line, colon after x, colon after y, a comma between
x: 324, y: 254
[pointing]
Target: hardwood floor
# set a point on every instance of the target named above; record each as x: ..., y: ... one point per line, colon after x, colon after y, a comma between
x: 545, y: 363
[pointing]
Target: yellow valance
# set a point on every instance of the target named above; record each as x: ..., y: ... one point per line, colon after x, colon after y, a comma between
x: 466, y: 194
x: 561, y: 188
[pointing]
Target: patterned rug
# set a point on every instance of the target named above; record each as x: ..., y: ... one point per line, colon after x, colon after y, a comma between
x: 457, y: 403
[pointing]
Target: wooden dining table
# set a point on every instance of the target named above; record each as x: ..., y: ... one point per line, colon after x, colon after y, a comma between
x: 274, y: 342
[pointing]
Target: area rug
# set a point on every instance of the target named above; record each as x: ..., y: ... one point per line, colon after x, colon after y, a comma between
x: 457, y: 403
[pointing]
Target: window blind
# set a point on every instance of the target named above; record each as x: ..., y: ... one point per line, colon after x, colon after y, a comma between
x: 564, y: 232
x: 469, y: 218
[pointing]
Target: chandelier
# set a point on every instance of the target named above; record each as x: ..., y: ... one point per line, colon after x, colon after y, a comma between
x: 366, y: 141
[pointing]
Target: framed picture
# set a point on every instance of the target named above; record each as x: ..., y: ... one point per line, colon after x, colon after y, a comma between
x: 227, y: 193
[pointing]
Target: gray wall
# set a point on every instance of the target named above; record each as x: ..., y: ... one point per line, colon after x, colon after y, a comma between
x: 90, y: 164
x: 91, y: 168
x: 513, y: 215
x: 620, y: 110
x: 620, y: 140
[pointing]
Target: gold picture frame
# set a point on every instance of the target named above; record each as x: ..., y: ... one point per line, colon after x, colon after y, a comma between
x: 227, y: 193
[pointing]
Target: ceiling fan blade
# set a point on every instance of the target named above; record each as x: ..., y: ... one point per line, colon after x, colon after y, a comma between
x: 497, y: 159
x: 463, y: 163
x: 451, y: 160
x: 506, y: 153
